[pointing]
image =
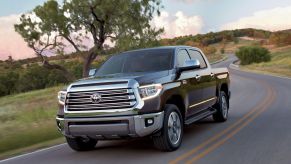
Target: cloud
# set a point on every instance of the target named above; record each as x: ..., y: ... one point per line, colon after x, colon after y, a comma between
x: 273, y: 19
x: 11, y: 43
x: 178, y: 24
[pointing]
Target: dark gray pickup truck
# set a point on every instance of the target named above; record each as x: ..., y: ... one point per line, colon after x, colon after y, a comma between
x: 147, y: 92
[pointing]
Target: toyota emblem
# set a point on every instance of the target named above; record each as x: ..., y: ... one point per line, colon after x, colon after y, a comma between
x: 96, y: 98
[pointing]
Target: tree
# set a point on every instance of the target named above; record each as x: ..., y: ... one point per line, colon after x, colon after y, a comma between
x: 86, y: 25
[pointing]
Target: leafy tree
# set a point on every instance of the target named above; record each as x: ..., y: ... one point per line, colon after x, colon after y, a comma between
x: 86, y: 25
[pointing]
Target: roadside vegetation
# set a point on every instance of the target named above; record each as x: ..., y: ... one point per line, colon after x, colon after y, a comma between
x: 27, y: 119
x: 280, y: 63
x: 253, y: 54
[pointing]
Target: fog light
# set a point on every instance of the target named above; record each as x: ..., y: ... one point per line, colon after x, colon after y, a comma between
x: 149, y: 122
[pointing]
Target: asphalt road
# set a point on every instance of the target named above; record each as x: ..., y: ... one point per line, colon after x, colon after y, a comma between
x: 258, y: 131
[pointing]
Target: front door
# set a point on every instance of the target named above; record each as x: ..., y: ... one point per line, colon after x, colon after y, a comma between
x: 191, y: 84
x: 209, y: 81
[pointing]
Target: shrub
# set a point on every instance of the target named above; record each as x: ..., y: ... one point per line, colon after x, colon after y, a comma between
x: 222, y: 51
x: 209, y: 50
x: 253, y: 54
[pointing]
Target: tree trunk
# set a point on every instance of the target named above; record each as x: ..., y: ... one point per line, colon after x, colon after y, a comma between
x: 86, y: 67
x: 89, y: 59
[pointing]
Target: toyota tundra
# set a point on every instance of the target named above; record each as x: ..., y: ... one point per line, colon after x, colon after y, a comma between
x: 151, y: 92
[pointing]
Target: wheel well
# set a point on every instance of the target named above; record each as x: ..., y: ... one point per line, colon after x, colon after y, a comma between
x: 224, y: 87
x: 179, y: 102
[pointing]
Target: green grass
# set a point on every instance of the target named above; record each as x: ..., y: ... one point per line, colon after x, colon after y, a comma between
x: 28, y: 118
x: 280, y: 63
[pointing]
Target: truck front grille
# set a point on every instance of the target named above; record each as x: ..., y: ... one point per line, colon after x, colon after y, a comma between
x: 110, y: 99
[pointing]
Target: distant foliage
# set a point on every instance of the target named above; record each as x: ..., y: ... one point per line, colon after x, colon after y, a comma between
x: 15, y: 78
x: 222, y: 50
x: 204, y: 40
x: 253, y: 54
x: 209, y: 50
x: 281, y: 38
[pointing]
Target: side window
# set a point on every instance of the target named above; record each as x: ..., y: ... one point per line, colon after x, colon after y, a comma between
x: 197, y: 55
x: 182, y: 57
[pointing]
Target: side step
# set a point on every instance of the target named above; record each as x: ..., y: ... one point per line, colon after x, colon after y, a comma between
x: 200, y: 116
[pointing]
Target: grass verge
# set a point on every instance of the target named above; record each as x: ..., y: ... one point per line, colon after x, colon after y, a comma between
x: 28, y: 119
x: 280, y: 63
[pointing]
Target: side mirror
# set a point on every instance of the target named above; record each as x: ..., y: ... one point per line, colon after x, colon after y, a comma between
x: 190, y: 65
x: 92, y: 72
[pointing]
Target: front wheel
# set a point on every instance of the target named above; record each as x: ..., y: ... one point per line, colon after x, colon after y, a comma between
x: 81, y: 144
x: 172, y: 132
x: 221, y: 114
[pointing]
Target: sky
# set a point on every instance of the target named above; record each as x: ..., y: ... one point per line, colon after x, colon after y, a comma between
x: 178, y: 18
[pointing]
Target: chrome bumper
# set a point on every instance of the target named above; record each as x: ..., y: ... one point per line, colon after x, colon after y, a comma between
x: 111, y: 127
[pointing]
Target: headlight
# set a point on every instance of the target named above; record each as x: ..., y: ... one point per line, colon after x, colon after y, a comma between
x: 150, y: 91
x: 62, y: 97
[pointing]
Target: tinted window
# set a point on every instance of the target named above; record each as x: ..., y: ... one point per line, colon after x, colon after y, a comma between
x: 182, y: 57
x: 197, y: 55
x: 138, y: 61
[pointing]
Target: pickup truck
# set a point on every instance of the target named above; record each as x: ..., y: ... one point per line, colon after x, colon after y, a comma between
x: 151, y: 92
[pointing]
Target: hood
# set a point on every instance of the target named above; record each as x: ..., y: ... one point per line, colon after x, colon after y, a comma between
x: 142, y: 78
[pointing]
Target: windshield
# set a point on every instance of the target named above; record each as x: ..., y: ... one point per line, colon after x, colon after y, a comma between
x: 138, y: 61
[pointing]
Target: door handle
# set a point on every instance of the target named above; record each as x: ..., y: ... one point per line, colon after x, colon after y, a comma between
x: 212, y: 75
x: 198, y: 77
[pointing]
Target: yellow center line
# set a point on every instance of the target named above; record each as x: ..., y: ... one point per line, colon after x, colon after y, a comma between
x: 224, y: 132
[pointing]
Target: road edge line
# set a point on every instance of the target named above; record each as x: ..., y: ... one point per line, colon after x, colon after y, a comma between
x: 30, y: 153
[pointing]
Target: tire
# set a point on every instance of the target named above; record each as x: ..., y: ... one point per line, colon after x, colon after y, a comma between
x: 221, y: 114
x: 81, y: 144
x: 171, y: 134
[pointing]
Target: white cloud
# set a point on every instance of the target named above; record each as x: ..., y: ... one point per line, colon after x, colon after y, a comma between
x: 11, y: 43
x: 179, y: 24
x: 273, y: 19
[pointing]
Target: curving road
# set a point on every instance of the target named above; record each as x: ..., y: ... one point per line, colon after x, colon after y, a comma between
x: 258, y: 131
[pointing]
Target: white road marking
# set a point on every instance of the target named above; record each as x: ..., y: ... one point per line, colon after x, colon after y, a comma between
x: 37, y: 151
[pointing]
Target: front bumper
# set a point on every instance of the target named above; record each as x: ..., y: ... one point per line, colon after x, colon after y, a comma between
x: 111, y: 127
